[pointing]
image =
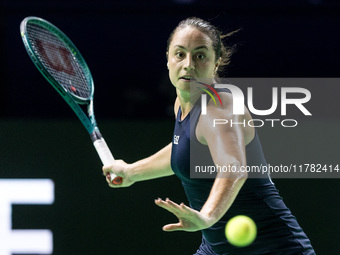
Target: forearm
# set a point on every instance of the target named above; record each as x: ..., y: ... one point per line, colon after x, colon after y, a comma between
x: 223, y: 194
x: 155, y: 166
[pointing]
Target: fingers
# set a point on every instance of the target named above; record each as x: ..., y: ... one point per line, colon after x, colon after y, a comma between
x: 172, y: 207
x: 106, y: 173
x: 173, y: 227
x: 167, y: 204
x: 178, y: 210
x: 116, y: 168
x: 108, y: 178
x: 181, y: 211
x: 106, y: 169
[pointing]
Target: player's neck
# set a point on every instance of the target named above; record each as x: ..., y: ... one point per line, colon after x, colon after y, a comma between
x: 185, y: 107
x: 187, y: 100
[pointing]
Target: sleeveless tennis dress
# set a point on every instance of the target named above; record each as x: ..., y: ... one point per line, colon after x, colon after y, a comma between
x: 277, y: 229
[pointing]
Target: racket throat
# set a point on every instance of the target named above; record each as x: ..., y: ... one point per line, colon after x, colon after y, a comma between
x: 96, y: 135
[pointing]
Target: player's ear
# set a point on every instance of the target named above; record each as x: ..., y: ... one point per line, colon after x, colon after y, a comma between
x: 218, y: 62
x: 167, y: 59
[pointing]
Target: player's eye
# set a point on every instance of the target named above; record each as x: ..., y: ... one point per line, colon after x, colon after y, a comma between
x: 179, y: 54
x: 200, y: 56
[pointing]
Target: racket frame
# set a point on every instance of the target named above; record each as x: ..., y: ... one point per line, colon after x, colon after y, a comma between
x: 72, y: 100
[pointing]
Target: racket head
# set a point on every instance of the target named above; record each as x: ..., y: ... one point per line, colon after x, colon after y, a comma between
x: 57, y: 58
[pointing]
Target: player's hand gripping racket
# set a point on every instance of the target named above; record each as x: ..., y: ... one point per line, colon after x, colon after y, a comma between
x: 60, y: 62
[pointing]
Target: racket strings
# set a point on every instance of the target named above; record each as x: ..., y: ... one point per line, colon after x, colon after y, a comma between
x: 59, y: 61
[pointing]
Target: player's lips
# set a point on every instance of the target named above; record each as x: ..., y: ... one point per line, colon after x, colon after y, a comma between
x: 187, y: 78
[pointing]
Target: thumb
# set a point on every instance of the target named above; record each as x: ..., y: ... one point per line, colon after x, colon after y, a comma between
x: 173, y: 227
x: 106, y: 168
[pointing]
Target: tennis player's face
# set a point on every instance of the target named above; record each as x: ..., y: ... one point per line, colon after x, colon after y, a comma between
x: 191, y: 56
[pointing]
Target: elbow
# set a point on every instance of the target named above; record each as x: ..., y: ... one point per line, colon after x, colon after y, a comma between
x: 236, y: 170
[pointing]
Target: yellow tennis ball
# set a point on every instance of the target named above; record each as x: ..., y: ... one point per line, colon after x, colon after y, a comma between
x: 240, y: 231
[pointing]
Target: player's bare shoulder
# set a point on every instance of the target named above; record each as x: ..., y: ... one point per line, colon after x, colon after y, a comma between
x: 176, y: 106
x: 219, y: 117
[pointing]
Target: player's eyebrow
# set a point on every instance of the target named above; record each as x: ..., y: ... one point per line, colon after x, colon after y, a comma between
x: 197, y: 48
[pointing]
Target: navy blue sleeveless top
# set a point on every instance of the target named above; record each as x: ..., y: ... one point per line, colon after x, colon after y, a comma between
x: 278, y: 230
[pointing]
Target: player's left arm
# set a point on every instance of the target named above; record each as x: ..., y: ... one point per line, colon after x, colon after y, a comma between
x: 227, y: 146
x: 226, y: 143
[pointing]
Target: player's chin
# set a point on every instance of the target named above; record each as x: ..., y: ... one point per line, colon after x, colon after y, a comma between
x: 183, y: 85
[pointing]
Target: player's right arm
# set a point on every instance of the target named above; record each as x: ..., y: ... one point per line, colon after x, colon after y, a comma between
x: 156, y: 166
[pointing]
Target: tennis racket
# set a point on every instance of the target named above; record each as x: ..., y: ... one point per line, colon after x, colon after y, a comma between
x: 61, y: 63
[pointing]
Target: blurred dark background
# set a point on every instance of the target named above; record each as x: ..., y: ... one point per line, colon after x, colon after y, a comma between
x: 124, y: 44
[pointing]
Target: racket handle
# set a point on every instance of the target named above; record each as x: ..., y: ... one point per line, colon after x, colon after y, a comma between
x: 106, y: 157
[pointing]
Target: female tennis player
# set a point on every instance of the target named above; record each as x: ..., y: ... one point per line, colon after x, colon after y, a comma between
x: 195, y: 50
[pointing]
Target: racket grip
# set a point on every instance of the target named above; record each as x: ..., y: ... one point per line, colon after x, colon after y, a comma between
x: 106, y: 157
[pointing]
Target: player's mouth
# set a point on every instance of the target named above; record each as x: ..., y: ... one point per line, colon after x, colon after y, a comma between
x: 186, y: 78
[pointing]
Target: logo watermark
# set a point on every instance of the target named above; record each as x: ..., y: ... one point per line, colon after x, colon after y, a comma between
x: 305, y: 112
x: 282, y: 97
